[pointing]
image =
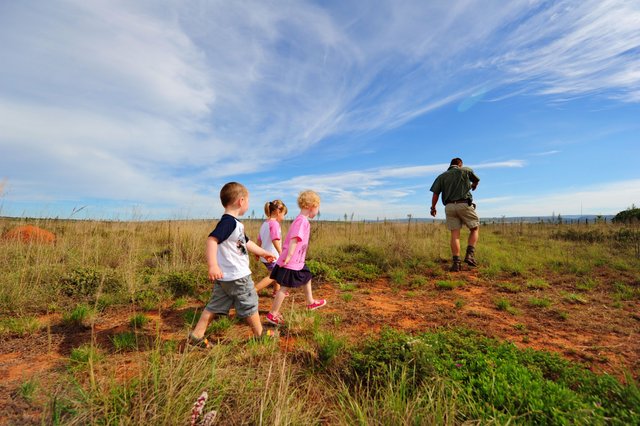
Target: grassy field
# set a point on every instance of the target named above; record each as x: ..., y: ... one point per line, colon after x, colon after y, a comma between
x: 545, y: 331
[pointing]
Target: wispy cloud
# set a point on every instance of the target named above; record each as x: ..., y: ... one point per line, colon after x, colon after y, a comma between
x: 381, y: 192
x: 544, y: 154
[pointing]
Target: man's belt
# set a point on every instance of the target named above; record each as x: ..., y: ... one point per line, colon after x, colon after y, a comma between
x: 466, y: 201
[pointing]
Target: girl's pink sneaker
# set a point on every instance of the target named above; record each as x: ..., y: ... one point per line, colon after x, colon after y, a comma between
x: 316, y: 304
x: 275, y: 319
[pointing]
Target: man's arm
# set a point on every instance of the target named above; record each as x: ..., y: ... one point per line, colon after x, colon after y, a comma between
x: 434, y: 201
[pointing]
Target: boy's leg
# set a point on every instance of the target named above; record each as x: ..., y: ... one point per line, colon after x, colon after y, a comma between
x: 203, y: 323
x: 255, y: 324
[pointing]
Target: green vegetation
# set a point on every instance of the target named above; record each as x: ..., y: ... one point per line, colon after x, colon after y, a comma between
x: 138, y: 321
x: 81, y: 315
x: 628, y: 215
x: 491, y: 381
x: 124, y: 342
x: 21, y: 325
x: 448, y: 284
x: 323, y: 370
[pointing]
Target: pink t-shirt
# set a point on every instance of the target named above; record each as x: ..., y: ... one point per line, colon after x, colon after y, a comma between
x: 270, y: 232
x: 300, y: 229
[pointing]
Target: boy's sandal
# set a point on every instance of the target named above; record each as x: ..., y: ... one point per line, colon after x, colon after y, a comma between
x: 202, y: 342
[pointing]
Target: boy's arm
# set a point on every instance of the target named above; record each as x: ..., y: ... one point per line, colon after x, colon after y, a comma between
x: 215, y: 273
x: 256, y: 249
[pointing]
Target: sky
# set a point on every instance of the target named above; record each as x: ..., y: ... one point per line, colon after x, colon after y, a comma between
x: 142, y: 110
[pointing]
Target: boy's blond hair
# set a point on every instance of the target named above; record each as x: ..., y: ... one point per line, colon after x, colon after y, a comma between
x: 308, y: 199
x: 231, y: 192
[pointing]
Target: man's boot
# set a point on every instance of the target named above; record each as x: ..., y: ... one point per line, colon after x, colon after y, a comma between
x: 456, y: 264
x: 469, y: 258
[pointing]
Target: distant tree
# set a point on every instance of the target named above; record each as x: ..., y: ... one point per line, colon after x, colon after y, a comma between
x: 629, y: 215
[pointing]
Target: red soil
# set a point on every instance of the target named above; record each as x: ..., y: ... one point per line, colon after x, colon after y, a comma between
x: 30, y: 233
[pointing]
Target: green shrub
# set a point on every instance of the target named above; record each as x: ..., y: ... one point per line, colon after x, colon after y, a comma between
x: 81, y: 315
x: 138, y: 321
x: 84, y: 355
x: 124, y: 342
x: 398, y: 276
x: 329, y: 346
x: 27, y: 389
x: 507, y: 287
x: 181, y: 284
x: 20, y: 325
x: 537, y: 283
x: 501, y: 383
x: 505, y: 305
x: 540, y: 303
x: 86, y: 282
x: 322, y: 272
x: 448, y: 284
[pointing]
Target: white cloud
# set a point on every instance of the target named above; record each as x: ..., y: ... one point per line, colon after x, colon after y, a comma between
x: 608, y: 198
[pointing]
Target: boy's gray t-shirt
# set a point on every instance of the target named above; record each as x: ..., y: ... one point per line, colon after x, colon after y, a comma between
x: 233, y: 256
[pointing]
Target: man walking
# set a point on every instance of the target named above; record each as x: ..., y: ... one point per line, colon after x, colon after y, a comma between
x: 456, y: 185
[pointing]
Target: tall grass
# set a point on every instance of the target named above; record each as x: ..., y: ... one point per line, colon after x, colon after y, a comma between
x: 439, y: 378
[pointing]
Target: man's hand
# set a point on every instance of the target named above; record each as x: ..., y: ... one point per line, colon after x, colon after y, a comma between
x: 215, y: 273
x: 434, y: 211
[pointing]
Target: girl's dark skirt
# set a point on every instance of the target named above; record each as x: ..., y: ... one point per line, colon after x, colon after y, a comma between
x: 290, y: 278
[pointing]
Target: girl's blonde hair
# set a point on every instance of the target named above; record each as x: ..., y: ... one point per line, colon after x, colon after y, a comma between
x: 271, y: 207
x: 308, y: 199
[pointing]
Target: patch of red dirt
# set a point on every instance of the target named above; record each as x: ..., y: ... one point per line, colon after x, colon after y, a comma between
x: 30, y: 234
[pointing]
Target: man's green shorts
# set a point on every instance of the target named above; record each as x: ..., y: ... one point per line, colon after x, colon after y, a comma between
x: 460, y: 213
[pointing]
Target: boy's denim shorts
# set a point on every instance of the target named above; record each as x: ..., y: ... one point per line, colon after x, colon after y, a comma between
x: 240, y: 293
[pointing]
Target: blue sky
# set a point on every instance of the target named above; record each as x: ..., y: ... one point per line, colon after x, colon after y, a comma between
x: 143, y: 110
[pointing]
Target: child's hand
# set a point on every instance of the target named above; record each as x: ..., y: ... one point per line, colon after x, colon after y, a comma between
x: 215, y: 273
x: 270, y: 258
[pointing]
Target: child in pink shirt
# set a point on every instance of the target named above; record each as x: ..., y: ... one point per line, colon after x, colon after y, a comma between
x: 290, y: 270
x: 270, y: 239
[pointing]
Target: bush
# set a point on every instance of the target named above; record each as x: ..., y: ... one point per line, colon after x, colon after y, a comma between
x: 181, y: 283
x: 628, y: 215
x: 87, y: 281
x: 500, y: 381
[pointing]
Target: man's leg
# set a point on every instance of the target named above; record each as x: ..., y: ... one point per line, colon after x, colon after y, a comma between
x: 455, y: 250
x: 455, y: 242
x: 469, y: 258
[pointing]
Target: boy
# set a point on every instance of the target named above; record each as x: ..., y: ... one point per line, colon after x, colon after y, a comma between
x: 228, y: 259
